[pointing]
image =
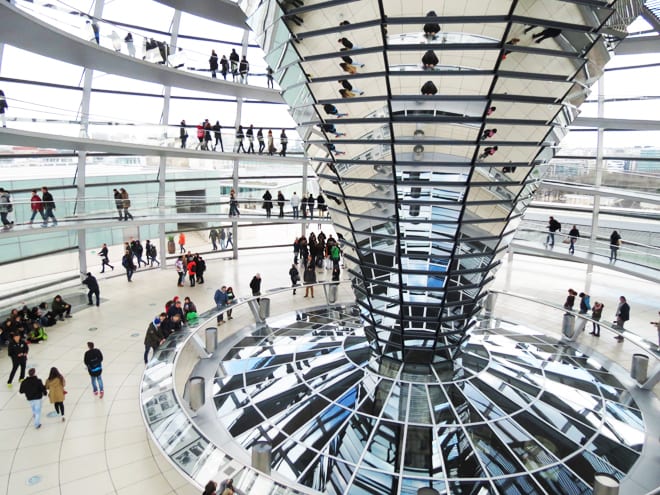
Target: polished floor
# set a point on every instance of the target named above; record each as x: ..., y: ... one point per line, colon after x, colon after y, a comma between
x: 102, y: 447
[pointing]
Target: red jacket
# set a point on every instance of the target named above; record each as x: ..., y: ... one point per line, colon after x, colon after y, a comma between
x: 192, y: 268
x: 36, y: 203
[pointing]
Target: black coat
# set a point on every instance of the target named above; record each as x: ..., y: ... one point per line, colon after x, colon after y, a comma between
x: 93, y: 359
x: 91, y: 283
x: 33, y: 388
x: 268, y: 201
x: 16, y: 348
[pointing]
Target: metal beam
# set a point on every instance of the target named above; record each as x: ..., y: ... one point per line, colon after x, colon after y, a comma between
x: 637, y: 45
x: 617, y: 124
x: 222, y: 11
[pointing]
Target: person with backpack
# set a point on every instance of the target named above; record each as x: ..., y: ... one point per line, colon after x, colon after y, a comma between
x: 93, y: 359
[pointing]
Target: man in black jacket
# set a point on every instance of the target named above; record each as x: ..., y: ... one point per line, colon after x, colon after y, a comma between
x: 154, y: 338
x: 93, y: 286
x: 34, y: 391
x: 18, y: 351
x: 49, y: 206
x: 93, y: 359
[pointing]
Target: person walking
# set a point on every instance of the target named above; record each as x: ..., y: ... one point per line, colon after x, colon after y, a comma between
x: 268, y: 203
x: 280, y: 202
x: 18, y: 351
x: 49, y: 206
x: 153, y: 338
x: 250, y: 137
x: 622, y: 316
x: 269, y: 77
x: 213, y: 235
x: 615, y: 243
x: 93, y: 286
x: 130, y: 45
x: 105, y: 261
x: 183, y: 134
x: 269, y: 142
x: 152, y: 253
x: 182, y: 242
x: 233, y: 61
x: 217, y: 134
x: 233, y: 205
x: 126, y: 204
x: 553, y: 226
x: 221, y: 301
x: 223, y: 237
x: 213, y: 63
x: 230, y: 240
x: 240, y: 135
x: 596, y: 314
x: 55, y: 386
x: 93, y: 359
x: 255, y: 285
x: 260, y: 140
x: 127, y: 263
x: 244, y: 69
x: 573, y: 236
x: 119, y: 204
x: 224, y: 67
x: 34, y: 391
x: 3, y: 108
x: 294, y: 275
x: 37, y: 206
x: 309, y: 276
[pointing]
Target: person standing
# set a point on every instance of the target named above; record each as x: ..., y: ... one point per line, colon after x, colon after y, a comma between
x: 280, y: 202
x: 56, y: 393
x: 183, y: 134
x: 240, y: 135
x: 192, y: 271
x: 615, y: 243
x: 230, y: 240
x: 103, y: 253
x: 224, y: 67
x: 250, y: 137
x: 268, y: 203
x: 5, y: 208
x: 294, y: 275
x: 221, y: 301
x: 231, y: 298
x: 570, y: 300
x: 127, y: 263
x: 310, y: 205
x: 213, y: 235
x: 596, y: 314
x: 320, y: 204
x: 553, y: 226
x: 233, y: 205
x: 130, y: 45
x: 180, y: 271
x: 3, y: 108
x: 309, y: 277
x: 153, y: 338
x: 295, y: 204
x: 573, y: 236
x: 260, y: 140
x: 37, y: 206
x: 303, y: 205
x: 18, y: 351
x: 34, y: 391
x: 217, y: 134
x: 223, y: 237
x: 269, y: 142
x: 200, y: 269
x: 93, y: 286
x: 622, y: 316
x: 49, y: 206
x: 213, y: 63
x: 269, y: 77
x: 244, y: 69
x: 93, y: 359
x: 233, y: 61
x: 126, y: 204
x: 585, y: 303
x: 255, y: 285
x: 283, y: 142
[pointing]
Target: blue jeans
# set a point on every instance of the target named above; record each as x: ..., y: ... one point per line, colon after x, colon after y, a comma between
x: 97, y: 380
x: 49, y: 214
x: 550, y: 239
x: 34, y: 214
x: 295, y: 211
x: 35, y: 405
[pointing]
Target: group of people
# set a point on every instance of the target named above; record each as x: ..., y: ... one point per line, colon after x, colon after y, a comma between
x: 574, y: 234
x: 122, y: 203
x: 238, y: 67
x: 622, y: 313
x: 311, y: 253
x: 209, y: 137
x: 225, y: 488
x: 133, y: 257
x: 222, y: 238
x: 176, y: 315
x: 35, y: 389
x: 43, y: 205
x: 304, y: 205
x: 192, y: 265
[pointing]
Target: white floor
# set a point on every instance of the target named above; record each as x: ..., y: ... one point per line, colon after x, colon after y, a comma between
x: 103, y: 448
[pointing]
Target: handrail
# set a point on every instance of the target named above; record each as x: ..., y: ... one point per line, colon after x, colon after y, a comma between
x: 649, y: 348
x: 163, y: 409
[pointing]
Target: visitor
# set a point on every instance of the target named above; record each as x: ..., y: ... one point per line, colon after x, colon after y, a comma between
x: 93, y: 286
x: 56, y: 393
x: 49, y: 206
x: 213, y: 64
x: 615, y: 243
x: 573, y: 236
x: 34, y: 391
x: 622, y: 316
x: 93, y: 359
x: 126, y: 204
x: 553, y: 226
x: 596, y: 314
x: 3, y: 108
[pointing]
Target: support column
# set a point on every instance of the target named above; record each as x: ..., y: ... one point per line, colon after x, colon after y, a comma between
x: 303, y: 195
x: 598, y: 181
x: 162, y: 164
x: 81, y: 171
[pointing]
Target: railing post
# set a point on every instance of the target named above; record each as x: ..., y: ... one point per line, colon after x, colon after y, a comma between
x: 639, y: 368
x: 605, y: 484
x: 211, y: 340
x: 261, y: 456
x: 196, y: 392
x: 568, y: 326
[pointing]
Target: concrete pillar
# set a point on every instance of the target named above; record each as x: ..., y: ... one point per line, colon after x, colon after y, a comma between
x: 211, y: 335
x: 261, y: 456
x: 196, y: 392
x: 605, y: 484
x: 639, y: 369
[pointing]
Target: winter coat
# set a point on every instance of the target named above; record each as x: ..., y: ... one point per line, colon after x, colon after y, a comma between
x: 268, y: 201
x: 55, y: 388
x: 126, y: 203
x: 93, y: 359
x: 4, y: 202
x: 35, y: 203
x: 153, y: 336
x: 33, y: 388
x: 310, y: 274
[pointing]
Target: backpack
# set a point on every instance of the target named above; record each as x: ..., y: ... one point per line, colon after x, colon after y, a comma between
x: 587, y: 302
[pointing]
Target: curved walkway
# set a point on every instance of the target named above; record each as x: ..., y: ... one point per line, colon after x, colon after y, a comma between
x: 103, y: 446
x: 55, y: 43
x: 16, y: 137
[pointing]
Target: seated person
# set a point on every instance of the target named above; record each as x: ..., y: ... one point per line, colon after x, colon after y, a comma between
x: 44, y: 317
x: 37, y: 334
x: 61, y: 307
